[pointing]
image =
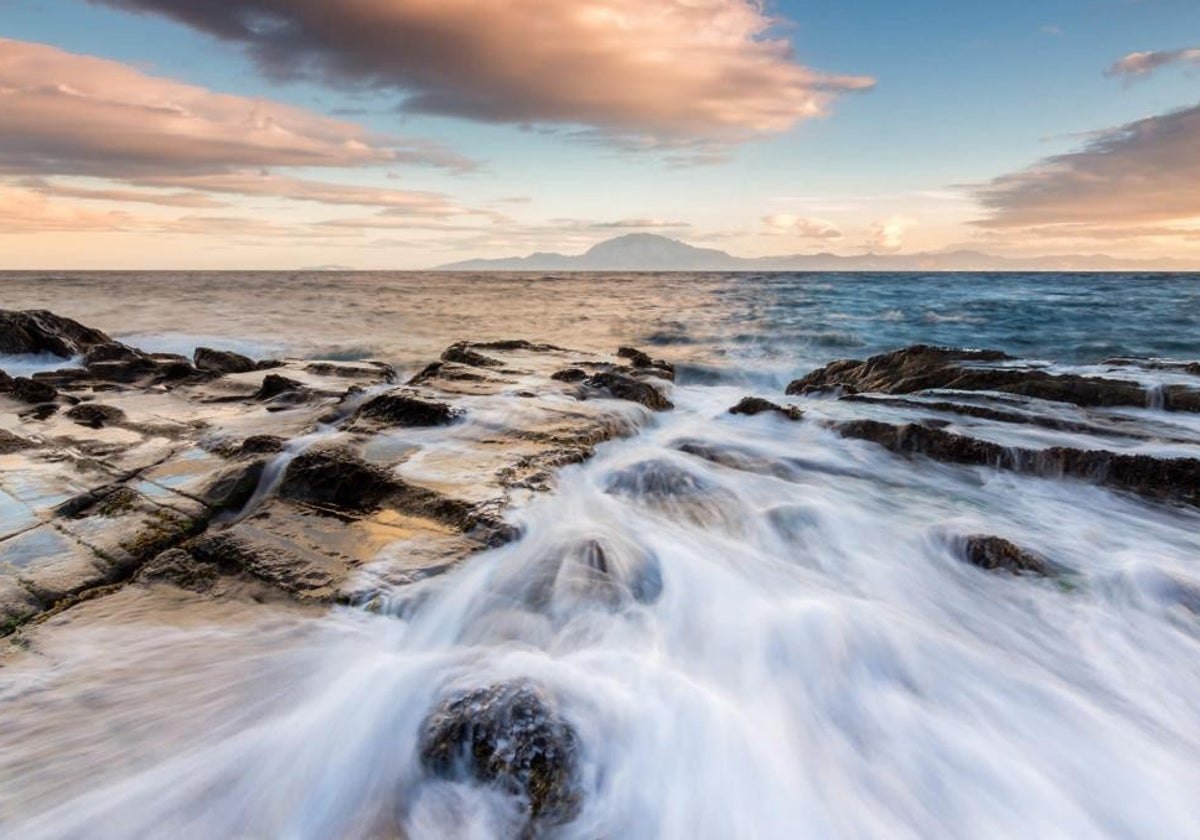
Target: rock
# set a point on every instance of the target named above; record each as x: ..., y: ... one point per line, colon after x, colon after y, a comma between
x: 31, y: 390
x: 287, y: 566
x: 10, y: 443
x: 233, y: 488
x: 179, y: 568
x: 17, y: 605
x: 42, y: 411
x: 406, y: 410
x: 261, y: 445
x: 573, y: 374
x: 462, y: 354
x: 273, y: 385
x: 338, y: 478
x: 96, y: 416
x: 367, y: 370
x: 221, y: 361
x: 756, y: 405
x: 40, y: 331
x: 921, y: 367
x: 998, y: 554
x: 510, y: 736
x: 623, y: 387
x: 5, y: 381
x: 121, y: 370
x: 67, y: 378
x: 1166, y: 479
x: 510, y: 344
x: 643, y: 363
x: 111, y: 351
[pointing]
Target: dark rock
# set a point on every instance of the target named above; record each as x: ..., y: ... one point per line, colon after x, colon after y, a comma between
x: 62, y: 378
x: 96, y: 416
x: 405, y: 410
x: 10, y: 443
x: 32, y: 391
x: 42, y: 411
x: 5, y: 381
x: 922, y: 367
x: 273, y: 385
x: 569, y: 375
x: 112, y: 351
x: 1167, y: 479
x: 233, y: 488
x: 644, y: 364
x: 462, y: 354
x: 269, y: 364
x: 517, y: 344
x: 123, y: 370
x: 261, y: 445
x: 997, y: 554
x: 337, y: 478
x: 511, y: 736
x: 756, y: 405
x: 623, y: 387
x: 221, y: 361
x: 40, y: 331
x: 368, y: 370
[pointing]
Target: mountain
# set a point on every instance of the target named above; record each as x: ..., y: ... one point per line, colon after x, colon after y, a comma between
x: 650, y: 252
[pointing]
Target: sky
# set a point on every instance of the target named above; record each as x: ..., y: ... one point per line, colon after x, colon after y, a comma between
x: 403, y: 134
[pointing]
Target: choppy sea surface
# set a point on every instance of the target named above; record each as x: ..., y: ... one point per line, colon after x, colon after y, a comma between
x: 818, y: 664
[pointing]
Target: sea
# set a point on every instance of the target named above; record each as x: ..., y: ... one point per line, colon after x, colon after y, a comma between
x: 819, y: 664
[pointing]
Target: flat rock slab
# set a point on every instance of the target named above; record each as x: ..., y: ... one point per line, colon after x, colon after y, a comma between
x: 230, y: 477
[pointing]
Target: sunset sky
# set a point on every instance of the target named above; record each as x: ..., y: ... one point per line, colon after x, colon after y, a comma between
x: 409, y: 133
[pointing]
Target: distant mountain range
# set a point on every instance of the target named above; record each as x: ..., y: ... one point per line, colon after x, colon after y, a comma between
x: 650, y: 252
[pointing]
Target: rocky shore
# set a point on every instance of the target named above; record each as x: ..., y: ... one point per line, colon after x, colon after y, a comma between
x: 295, y: 484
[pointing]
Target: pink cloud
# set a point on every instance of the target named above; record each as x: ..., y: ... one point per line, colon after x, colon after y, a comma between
x: 64, y: 113
x: 638, y: 73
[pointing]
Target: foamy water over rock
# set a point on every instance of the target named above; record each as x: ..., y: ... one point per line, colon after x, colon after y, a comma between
x: 527, y: 591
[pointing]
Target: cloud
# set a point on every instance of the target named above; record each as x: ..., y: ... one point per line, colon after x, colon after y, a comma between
x: 789, y: 224
x: 68, y: 114
x: 673, y: 74
x: 1141, y: 173
x: 887, y: 235
x: 1138, y: 65
x: 268, y: 185
x: 123, y: 196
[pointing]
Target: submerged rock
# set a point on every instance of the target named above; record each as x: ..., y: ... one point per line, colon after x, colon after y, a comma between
x: 512, y: 737
x: 998, y: 554
x: 222, y: 361
x: 571, y: 374
x: 39, y: 331
x: 31, y: 390
x: 756, y: 405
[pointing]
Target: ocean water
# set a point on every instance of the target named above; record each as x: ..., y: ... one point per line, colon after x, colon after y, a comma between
x: 818, y: 663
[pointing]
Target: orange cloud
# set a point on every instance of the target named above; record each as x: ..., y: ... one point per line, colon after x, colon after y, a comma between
x: 639, y: 73
x: 1143, y: 173
x: 63, y: 113
x: 789, y: 224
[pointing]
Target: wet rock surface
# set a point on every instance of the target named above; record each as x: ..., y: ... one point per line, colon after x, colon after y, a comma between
x: 206, y: 475
x: 751, y: 406
x: 998, y: 554
x: 512, y: 737
x: 923, y: 368
x: 40, y: 331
